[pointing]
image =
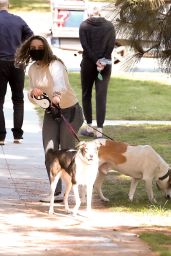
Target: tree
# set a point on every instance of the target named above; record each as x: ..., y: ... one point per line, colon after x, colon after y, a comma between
x: 146, y: 27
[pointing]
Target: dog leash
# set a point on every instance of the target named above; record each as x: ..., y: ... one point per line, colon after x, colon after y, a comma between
x: 68, y: 125
x: 44, y: 102
x: 100, y: 132
x: 70, y: 128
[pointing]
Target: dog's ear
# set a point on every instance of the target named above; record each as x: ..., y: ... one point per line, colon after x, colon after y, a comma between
x: 81, y: 144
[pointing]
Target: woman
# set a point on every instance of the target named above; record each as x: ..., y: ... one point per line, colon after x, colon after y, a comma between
x: 48, y: 74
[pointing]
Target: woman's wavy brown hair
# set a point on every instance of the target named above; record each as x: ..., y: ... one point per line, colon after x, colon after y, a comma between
x: 23, y: 58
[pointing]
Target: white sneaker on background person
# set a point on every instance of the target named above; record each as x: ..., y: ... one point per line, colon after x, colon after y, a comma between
x: 99, y: 132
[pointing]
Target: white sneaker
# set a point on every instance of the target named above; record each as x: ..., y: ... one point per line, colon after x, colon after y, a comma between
x: 2, y: 142
x: 58, y: 199
x: 99, y: 132
x: 89, y: 128
x: 87, y: 131
x: 18, y: 141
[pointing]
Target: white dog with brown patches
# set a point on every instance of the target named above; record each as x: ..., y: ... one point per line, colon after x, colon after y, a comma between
x: 140, y: 162
x: 75, y: 167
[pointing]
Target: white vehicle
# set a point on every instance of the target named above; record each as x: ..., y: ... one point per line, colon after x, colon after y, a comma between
x: 66, y: 18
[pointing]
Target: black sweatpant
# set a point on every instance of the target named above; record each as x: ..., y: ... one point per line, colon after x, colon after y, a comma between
x: 89, y: 77
x: 15, y: 77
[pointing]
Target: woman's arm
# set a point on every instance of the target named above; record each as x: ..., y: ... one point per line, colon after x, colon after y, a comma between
x: 58, y: 73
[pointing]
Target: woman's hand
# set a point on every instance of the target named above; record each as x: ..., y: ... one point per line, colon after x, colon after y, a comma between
x: 56, y: 99
x: 36, y: 92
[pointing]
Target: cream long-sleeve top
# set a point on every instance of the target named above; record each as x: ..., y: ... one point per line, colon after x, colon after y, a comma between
x: 51, y: 79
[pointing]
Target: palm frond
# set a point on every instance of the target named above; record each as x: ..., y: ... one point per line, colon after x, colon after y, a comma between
x: 129, y: 62
x: 153, y: 4
x: 145, y: 25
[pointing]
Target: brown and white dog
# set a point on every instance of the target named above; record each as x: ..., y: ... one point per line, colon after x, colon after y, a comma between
x: 74, y: 167
x: 140, y: 162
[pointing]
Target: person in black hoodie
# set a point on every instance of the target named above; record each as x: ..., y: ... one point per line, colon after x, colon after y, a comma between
x: 13, y: 31
x: 97, y: 38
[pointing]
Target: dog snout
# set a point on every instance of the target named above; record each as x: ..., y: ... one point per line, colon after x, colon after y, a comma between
x: 90, y: 157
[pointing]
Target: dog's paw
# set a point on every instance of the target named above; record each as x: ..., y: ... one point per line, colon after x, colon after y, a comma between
x: 130, y: 199
x: 51, y: 212
x: 68, y: 211
x: 74, y: 212
x: 153, y: 201
x: 105, y: 199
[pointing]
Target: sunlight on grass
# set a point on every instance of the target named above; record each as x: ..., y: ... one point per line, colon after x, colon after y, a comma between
x: 159, y: 209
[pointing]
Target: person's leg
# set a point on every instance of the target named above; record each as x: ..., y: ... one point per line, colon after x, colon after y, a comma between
x: 74, y: 117
x: 4, y: 70
x: 16, y: 82
x: 101, y: 87
x: 88, y: 76
x: 50, y: 134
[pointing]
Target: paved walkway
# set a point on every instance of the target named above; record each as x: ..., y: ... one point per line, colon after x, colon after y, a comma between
x: 25, y: 226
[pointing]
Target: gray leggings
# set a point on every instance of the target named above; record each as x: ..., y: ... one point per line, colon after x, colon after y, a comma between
x: 56, y: 134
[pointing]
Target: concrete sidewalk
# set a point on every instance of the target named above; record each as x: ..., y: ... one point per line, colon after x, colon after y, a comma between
x: 25, y: 226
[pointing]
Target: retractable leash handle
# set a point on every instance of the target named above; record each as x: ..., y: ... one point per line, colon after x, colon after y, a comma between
x: 43, y: 101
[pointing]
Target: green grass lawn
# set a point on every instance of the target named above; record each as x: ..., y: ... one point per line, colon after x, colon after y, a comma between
x: 36, y: 5
x: 133, y: 99
x: 159, y: 242
x: 27, y: 5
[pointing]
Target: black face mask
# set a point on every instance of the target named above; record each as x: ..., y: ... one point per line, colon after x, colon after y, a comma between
x: 37, y: 54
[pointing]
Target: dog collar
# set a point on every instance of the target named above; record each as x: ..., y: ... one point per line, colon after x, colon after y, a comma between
x: 166, y: 175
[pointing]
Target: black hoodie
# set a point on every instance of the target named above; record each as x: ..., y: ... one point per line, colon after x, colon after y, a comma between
x: 97, y: 37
